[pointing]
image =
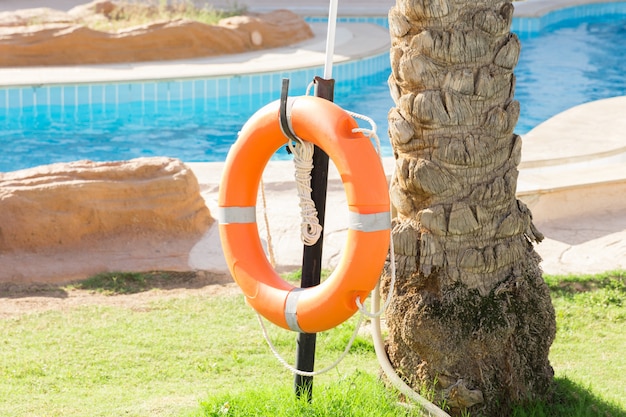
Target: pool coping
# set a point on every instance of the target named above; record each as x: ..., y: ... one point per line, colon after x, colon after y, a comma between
x: 539, y: 8
x: 523, y: 8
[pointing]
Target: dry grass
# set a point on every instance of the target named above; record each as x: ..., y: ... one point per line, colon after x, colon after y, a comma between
x: 128, y: 14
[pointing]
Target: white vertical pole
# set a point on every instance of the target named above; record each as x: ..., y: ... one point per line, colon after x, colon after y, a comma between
x: 330, y: 39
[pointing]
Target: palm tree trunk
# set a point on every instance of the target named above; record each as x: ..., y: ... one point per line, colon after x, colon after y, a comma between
x: 472, y: 316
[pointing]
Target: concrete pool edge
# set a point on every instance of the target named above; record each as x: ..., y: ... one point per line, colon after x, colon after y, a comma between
x: 539, y: 8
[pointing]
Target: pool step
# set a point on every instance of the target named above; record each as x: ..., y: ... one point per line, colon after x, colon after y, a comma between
x: 574, y: 164
x: 572, y: 191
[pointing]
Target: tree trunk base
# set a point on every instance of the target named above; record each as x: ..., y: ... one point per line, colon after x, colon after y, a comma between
x: 481, y: 354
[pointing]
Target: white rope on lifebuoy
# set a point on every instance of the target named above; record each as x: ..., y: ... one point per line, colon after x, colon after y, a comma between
x: 270, y: 245
x: 307, y: 373
x: 310, y: 228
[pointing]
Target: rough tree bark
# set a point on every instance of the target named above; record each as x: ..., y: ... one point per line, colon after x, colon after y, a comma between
x: 472, y: 316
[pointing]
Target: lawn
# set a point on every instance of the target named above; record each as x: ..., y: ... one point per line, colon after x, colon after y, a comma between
x: 204, y: 355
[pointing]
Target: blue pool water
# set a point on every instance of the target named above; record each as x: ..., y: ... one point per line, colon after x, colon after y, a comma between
x: 570, y: 63
x: 565, y: 64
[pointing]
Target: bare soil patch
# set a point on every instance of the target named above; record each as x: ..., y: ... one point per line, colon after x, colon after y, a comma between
x: 20, y: 299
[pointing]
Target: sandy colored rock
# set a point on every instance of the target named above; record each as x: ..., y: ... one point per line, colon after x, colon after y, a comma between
x: 49, y: 37
x: 68, y: 204
x: 27, y: 17
x: 68, y: 221
x: 96, y: 10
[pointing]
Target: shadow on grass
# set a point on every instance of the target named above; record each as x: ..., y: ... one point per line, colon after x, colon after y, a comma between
x: 369, y: 397
x: 575, y: 284
x: 19, y: 290
x: 572, y: 400
x: 116, y: 283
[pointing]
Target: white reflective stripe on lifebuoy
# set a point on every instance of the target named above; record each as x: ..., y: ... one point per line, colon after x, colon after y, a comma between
x: 369, y: 222
x: 291, y: 309
x: 227, y: 215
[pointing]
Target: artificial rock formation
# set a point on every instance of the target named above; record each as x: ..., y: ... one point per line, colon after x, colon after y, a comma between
x: 66, y: 204
x: 74, y: 207
x: 45, y: 36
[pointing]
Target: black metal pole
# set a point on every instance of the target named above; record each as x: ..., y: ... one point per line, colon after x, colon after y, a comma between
x: 312, y: 256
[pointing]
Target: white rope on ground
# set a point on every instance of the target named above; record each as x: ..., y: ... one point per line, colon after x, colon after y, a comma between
x: 310, y: 228
x: 388, y: 369
x: 306, y: 373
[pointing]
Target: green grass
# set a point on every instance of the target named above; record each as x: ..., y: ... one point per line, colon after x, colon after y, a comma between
x: 202, y: 356
x: 357, y: 394
x: 117, y: 283
x: 571, y: 399
x: 156, y: 361
x: 113, y: 283
x: 591, y: 333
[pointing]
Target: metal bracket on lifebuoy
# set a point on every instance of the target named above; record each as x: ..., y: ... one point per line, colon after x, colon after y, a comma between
x: 284, y: 115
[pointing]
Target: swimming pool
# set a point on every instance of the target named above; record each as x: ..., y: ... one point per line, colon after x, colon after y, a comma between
x: 567, y: 58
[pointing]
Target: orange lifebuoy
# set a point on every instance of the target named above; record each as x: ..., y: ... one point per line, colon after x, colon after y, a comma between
x: 332, y: 302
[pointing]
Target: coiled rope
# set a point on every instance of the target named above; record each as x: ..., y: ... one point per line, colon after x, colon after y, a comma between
x: 310, y: 228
